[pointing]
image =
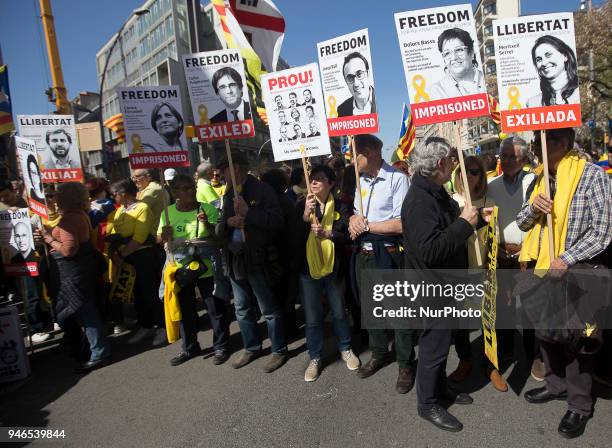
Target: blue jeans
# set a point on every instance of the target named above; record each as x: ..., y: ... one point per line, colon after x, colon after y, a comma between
x: 312, y: 290
x: 87, y: 315
x: 246, y: 291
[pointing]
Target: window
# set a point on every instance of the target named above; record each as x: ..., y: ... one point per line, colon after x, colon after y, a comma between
x: 488, y: 30
x: 489, y: 50
x: 491, y: 69
x: 490, y: 9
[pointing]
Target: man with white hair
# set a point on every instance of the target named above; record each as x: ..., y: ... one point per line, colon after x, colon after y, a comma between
x: 435, y: 235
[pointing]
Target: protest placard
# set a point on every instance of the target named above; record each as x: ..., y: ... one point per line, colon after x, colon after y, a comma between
x: 154, y: 126
x: 294, y: 105
x: 32, y: 178
x: 18, y: 255
x: 56, y: 144
x: 219, y: 95
x: 348, y: 84
x: 442, y: 64
x: 537, y: 72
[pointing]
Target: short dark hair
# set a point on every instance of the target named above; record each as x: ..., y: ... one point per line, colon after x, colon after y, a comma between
x: 125, y: 186
x: 355, y: 55
x: 327, y: 171
x: 32, y: 159
x: 96, y: 185
x: 276, y: 178
x: 310, y: 107
x: 226, y: 71
x: 174, y: 112
x: 368, y: 141
x: 182, y: 179
x: 51, y: 132
x: 560, y: 133
x: 456, y: 33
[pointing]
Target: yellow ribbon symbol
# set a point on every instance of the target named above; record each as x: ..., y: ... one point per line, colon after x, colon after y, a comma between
x: 418, y: 83
x: 333, y: 112
x: 302, y: 149
x: 513, y: 96
x: 137, y: 144
x: 203, y: 111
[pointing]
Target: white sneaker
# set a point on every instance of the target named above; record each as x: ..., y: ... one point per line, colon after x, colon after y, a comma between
x: 313, y: 370
x: 56, y: 327
x: 351, y: 360
x: 37, y: 338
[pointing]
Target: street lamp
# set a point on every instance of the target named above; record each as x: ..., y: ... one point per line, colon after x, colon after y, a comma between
x: 136, y: 12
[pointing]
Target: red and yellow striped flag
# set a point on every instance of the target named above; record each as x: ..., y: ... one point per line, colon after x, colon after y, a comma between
x: 263, y: 115
x: 494, y: 110
x: 115, y: 124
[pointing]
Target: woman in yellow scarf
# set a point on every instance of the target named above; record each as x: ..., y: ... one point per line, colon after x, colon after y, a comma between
x: 323, y: 229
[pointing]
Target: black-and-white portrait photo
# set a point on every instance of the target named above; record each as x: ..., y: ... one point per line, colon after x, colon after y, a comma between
x: 284, y: 134
x: 295, y: 115
x: 308, y: 99
x: 297, y: 132
x: 282, y: 117
x: 22, y: 243
x: 293, y: 101
x: 228, y: 86
x: 314, y: 129
x: 167, y: 122
x: 356, y: 72
x: 61, y: 152
x: 34, y: 179
x: 278, y: 103
x: 557, y: 69
x: 462, y: 76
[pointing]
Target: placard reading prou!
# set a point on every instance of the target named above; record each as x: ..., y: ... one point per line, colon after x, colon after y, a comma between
x: 17, y: 243
x: 537, y: 72
x: 56, y: 144
x: 294, y: 105
x: 154, y: 126
x: 219, y: 95
x: 442, y: 64
x: 32, y: 178
x: 348, y: 84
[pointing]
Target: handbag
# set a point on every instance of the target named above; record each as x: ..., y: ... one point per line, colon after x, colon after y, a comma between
x: 193, y: 265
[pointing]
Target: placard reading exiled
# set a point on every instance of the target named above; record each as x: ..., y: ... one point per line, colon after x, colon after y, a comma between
x: 32, y: 177
x: 17, y: 243
x: 57, y: 145
x: 219, y: 95
x: 442, y: 64
x: 348, y: 84
x: 294, y: 105
x: 537, y: 72
x: 154, y: 126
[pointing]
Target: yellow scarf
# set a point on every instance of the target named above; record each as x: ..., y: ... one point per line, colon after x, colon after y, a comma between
x: 172, y: 310
x: 320, y: 268
x: 569, y: 173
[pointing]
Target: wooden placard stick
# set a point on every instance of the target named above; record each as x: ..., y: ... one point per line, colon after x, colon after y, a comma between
x: 357, y: 181
x: 549, y: 222
x: 313, y: 216
x: 166, y: 217
x: 228, y: 152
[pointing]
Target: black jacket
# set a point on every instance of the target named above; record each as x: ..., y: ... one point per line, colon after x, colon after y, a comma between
x: 221, y: 117
x: 434, y: 235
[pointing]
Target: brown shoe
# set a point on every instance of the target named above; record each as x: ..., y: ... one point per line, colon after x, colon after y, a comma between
x: 245, y: 358
x: 538, y: 371
x: 372, y: 366
x: 405, y: 380
x: 498, y: 381
x: 275, y: 361
x: 462, y: 371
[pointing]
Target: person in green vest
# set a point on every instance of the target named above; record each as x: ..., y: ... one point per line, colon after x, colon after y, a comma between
x: 205, y: 192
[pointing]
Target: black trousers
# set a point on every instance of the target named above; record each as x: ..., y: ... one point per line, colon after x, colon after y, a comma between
x: 431, y: 368
x: 218, y: 313
x: 149, y: 308
x: 571, y: 372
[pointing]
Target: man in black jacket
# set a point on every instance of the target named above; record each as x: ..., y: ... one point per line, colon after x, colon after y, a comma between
x: 435, y: 234
x: 251, y: 223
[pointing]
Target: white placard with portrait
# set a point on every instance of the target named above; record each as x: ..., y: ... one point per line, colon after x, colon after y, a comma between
x: 17, y: 243
x: 31, y: 174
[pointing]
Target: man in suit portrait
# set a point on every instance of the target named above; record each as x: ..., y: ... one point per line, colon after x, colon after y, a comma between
x: 293, y: 102
x: 314, y: 130
x: 297, y: 129
x: 356, y: 71
x: 278, y: 100
x: 228, y: 86
x: 282, y: 117
x: 308, y: 99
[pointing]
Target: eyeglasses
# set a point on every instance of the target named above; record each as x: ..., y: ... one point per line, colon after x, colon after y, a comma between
x: 359, y: 75
x: 224, y: 87
x: 319, y: 179
x: 458, y: 52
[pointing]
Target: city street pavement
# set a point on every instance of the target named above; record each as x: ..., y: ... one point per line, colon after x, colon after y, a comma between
x: 141, y: 401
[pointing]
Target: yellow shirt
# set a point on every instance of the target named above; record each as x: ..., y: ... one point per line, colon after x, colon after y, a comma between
x: 157, y: 199
x: 133, y: 222
x: 220, y: 189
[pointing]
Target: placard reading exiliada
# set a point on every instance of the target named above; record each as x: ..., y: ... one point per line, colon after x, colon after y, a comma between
x: 219, y: 95
x: 32, y: 179
x: 348, y: 84
x: 57, y: 145
x: 294, y: 105
x: 537, y: 72
x: 18, y: 255
x: 442, y: 64
x: 154, y: 126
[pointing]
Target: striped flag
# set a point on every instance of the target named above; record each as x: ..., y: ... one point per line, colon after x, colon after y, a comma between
x: 6, y: 111
x: 262, y: 114
x: 345, y: 148
x: 115, y: 124
x: 407, y: 136
x: 494, y: 110
x: 604, y: 163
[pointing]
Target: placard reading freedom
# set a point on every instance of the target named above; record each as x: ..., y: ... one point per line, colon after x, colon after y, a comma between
x: 154, y: 126
x: 348, y: 84
x: 219, y: 95
x: 537, y: 72
x: 294, y: 105
x: 442, y: 64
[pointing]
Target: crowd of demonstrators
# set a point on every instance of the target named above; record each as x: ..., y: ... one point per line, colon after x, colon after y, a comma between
x: 274, y: 243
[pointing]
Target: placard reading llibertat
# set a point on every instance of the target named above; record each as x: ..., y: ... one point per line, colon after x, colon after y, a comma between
x: 219, y: 95
x: 294, y: 105
x: 154, y: 126
x: 537, y: 72
x: 56, y: 144
x: 32, y: 177
x: 17, y: 243
x: 442, y: 64
x: 348, y: 84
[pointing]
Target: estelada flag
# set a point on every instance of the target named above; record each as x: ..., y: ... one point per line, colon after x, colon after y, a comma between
x: 494, y: 110
x: 115, y: 124
x: 407, y: 136
x: 6, y: 111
